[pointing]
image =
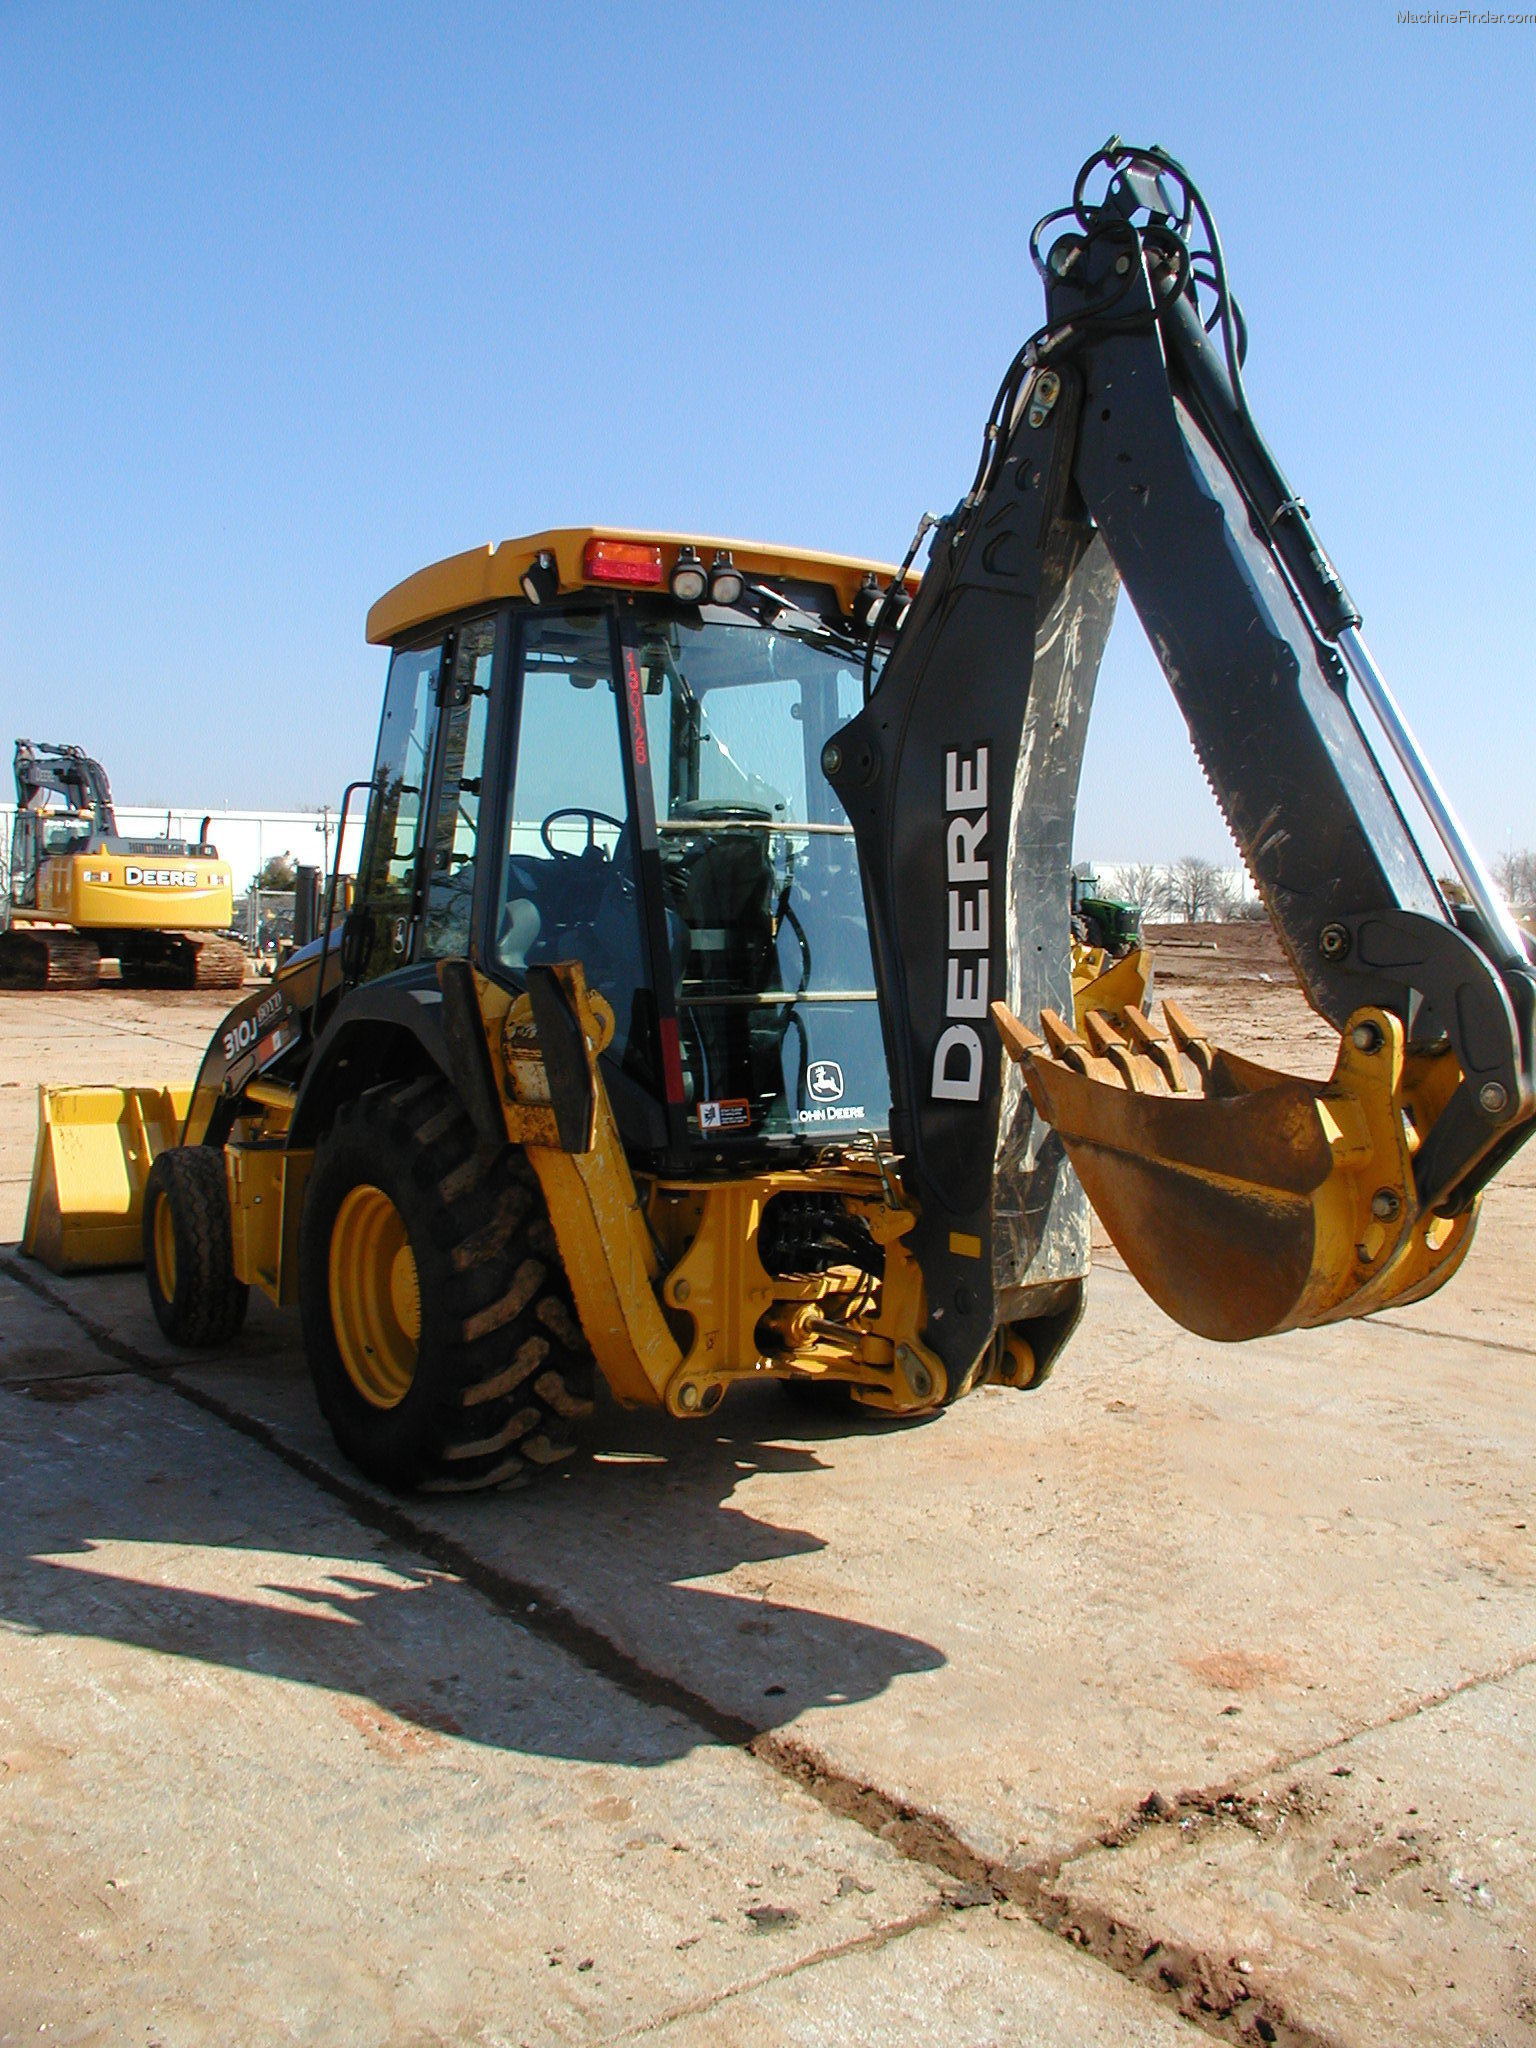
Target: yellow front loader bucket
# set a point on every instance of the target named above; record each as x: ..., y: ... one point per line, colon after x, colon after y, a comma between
x: 1245, y: 1200
x: 94, y: 1150
x: 1099, y: 983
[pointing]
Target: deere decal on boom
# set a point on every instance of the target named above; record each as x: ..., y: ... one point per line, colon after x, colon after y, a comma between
x: 675, y: 1026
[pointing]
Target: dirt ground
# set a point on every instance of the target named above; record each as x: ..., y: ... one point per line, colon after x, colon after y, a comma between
x: 1193, y: 1696
x: 1236, y: 982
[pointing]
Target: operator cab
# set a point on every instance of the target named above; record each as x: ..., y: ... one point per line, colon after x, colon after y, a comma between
x: 621, y: 776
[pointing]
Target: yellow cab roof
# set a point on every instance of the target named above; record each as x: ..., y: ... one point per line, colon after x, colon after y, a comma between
x: 485, y: 575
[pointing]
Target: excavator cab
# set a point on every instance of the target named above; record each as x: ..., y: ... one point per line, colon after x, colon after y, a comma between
x: 62, y: 798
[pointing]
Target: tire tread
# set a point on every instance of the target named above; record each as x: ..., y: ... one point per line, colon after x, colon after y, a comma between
x: 504, y: 1371
x: 210, y: 1302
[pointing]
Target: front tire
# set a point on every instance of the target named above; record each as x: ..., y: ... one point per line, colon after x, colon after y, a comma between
x: 188, y: 1252
x: 438, y: 1321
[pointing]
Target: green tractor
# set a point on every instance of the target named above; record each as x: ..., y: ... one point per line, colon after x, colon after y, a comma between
x: 1106, y: 922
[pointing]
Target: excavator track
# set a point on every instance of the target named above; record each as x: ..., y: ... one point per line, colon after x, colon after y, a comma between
x: 217, y: 963
x: 184, y: 960
x: 51, y: 960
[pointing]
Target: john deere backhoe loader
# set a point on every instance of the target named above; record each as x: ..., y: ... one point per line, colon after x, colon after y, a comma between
x: 703, y: 886
x: 80, y: 890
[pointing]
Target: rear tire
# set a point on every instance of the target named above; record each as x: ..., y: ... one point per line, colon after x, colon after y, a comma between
x: 188, y: 1253
x: 438, y: 1321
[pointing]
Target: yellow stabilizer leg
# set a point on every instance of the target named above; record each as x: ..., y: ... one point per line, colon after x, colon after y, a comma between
x: 1244, y: 1200
x: 94, y: 1151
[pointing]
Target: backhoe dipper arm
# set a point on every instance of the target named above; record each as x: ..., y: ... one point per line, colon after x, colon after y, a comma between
x: 1121, y: 445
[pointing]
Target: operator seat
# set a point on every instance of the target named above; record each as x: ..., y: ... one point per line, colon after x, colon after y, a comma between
x: 519, y: 930
x: 724, y: 887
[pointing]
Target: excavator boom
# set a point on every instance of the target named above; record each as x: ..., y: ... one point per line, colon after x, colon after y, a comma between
x: 1121, y: 449
x: 43, y: 768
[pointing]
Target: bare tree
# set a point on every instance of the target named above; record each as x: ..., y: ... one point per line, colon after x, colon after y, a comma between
x: 1144, y: 884
x: 1199, y: 890
x: 1515, y: 874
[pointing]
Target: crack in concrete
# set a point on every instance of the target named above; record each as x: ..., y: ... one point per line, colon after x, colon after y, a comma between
x: 1452, y: 1337
x: 23, y: 1382
x: 63, y: 1388
x: 1207, y: 1992
x: 858, y: 1944
x: 1210, y: 1994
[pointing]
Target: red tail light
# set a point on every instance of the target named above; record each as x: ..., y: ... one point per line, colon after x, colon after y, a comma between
x: 623, y: 561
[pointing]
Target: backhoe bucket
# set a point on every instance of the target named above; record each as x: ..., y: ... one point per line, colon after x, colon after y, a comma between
x: 1244, y: 1200
x: 94, y: 1151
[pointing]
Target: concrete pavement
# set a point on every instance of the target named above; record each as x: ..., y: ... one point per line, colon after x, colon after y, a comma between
x: 1191, y: 1695
x: 268, y: 1776
x: 1157, y: 1660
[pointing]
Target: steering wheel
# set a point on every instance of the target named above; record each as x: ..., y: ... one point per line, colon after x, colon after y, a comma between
x: 593, y: 818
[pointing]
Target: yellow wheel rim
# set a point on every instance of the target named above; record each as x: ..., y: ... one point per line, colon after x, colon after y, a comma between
x: 375, y: 1296
x: 165, y: 1249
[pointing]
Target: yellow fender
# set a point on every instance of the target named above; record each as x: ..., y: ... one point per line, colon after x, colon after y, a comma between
x: 95, y: 1147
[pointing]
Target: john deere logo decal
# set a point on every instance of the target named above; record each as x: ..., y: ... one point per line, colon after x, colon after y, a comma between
x: 824, y: 1079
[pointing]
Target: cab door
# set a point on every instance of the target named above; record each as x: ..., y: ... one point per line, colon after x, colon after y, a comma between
x: 416, y: 877
x: 24, y: 859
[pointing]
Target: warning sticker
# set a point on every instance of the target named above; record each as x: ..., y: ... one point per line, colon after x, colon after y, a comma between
x: 731, y: 1115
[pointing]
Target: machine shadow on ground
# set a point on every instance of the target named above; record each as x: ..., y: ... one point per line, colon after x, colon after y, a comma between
x: 134, y: 1519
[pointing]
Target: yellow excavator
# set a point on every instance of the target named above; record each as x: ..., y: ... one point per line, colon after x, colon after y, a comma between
x: 79, y: 890
x: 674, y: 1027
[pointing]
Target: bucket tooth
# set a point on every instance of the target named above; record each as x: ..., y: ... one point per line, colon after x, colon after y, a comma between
x: 1188, y: 1036
x: 1018, y: 1039
x: 1155, y: 1046
x: 1060, y: 1036
x: 1100, y: 1033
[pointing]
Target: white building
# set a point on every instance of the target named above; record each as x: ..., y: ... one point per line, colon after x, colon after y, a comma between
x: 246, y: 839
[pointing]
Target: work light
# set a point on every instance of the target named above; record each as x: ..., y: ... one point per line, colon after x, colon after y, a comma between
x: 726, y: 582
x: 688, y: 582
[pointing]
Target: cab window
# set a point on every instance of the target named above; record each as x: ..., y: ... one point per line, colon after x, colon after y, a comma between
x: 386, y: 883
x: 569, y: 881
x: 777, y: 1016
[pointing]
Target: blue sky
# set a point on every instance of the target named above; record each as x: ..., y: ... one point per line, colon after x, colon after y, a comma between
x: 297, y: 299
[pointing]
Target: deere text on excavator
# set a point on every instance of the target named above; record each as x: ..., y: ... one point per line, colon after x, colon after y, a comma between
x: 675, y: 1024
